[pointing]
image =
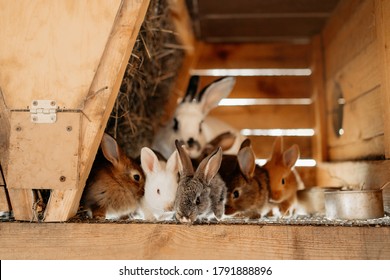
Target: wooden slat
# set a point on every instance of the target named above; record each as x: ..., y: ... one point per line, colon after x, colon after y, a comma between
x: 254, y: 29
x: 265, y: 7
x: 350, y: 29
x: 252, y: 55
x: 266, y: 87
x: 382, y: 11
x: 4, y: 132
x: 370, y: 174
x: 262, y: 145
x: 53, y: 49
x: 253, y: 117
x: 210, y: 242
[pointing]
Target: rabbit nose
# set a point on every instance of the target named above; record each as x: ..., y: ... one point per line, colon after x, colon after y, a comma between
x: 191, y: 142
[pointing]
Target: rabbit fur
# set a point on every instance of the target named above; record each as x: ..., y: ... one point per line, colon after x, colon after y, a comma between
x: 115, y: 185
x: 201, y: 194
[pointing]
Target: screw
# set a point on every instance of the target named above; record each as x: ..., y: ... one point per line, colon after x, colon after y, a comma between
x: 53, y: 103
x: 62, y: 179
x: 35, y: 119
x: 18, y: 128
x: 35, y: 103
x: 69, y: 128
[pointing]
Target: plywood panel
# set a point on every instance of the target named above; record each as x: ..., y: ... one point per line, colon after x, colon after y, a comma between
x: 51, y: 49
x: 266, y: 87
x: 266, y: 117
x: 171, y: 241
x: 252, y: 55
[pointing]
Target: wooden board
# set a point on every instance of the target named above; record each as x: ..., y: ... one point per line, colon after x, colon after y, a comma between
x: 171, y: 241
x: 382, y: 11
x: 51, y: 49
x: 350, y: 29
x: 267, y: 116
x: 43, y: 156
x: 266, y: 86
x: 254, y: 56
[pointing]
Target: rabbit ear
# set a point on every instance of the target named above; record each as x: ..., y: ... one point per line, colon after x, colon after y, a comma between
x: 172, y: 163
x: 245, y: 143
x: 209, y: 166
x: 246, y: 160
x: 290, y: 156
x: 223, y: 140
x: 277, y: 149
x: 191, y: 89
x: 149, y: 161
x: 210, y: 96
x: 185, y: 164
x: 110, y: 149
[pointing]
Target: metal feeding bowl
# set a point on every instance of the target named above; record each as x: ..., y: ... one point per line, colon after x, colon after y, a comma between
x: 354, y: 204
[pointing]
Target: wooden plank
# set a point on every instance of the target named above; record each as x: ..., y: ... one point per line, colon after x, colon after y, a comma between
x: 262, y: 145
x: 372, y: 148
x: 370, y: 174
x: 254, y: 56
x: 362, y: 121
x: 210, y: 242
x: 266, y: 86
x: 53, y: 49
x: 276, y: 116
x: 350, y: 29
x: 22, y: 202
x: 382, y: 12
x: 4, y: 132
x: 245, y: 7
x: 100, y: 101
x: 4, y: 205
x: 236, y: 29
x: 319, y: 100
x: 359, y: 76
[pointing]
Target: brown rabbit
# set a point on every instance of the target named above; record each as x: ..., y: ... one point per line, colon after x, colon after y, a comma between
x: 224, y: 140
x: 115, y: 185
x: 247, y: 184
x: 283, y: 181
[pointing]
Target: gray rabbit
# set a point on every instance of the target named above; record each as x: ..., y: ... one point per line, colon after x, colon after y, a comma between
x: 200, y: 193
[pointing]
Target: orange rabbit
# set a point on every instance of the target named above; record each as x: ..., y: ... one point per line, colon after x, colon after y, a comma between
x: 282, y: 177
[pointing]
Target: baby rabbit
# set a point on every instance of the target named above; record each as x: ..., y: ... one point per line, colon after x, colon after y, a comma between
x: 200, y: 193
x: 283, y: 179
x: 115, y: 185
x: 247, y: 184
x: 160, y: 185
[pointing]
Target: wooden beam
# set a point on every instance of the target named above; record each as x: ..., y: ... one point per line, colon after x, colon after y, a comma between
x: 382, y: 11
x: 175, y: 241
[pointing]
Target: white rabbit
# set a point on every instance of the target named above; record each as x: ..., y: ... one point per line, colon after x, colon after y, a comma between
x: 160, y: 185
x: 191, y: 124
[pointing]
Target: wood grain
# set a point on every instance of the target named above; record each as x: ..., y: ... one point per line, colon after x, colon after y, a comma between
x: 171, y: 241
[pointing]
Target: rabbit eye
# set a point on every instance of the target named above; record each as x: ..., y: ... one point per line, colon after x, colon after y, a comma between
x: 236, y: 194
x: 136, y: 177
x: 175, y: 125
x: 283, y: 181
x: 158, y: 191
x: 197, y: 200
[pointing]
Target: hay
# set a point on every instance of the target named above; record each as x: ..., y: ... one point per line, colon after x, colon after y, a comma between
x: 148, y: 81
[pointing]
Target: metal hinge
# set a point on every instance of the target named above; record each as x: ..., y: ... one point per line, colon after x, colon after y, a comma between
x: 43, y: 111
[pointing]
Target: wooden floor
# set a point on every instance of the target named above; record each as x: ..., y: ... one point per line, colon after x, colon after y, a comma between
x: 23, y: 240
